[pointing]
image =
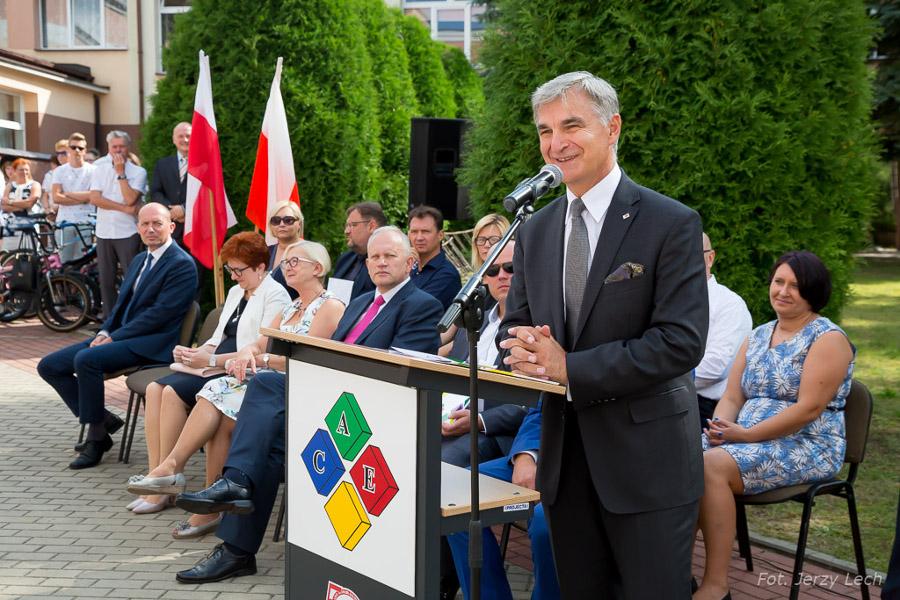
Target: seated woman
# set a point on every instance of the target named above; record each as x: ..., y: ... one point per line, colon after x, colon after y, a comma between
x: 254, y: 301
x: 315, y: 312
x: 487, y: 232
x: 286, y: 225
x: 780, y: 421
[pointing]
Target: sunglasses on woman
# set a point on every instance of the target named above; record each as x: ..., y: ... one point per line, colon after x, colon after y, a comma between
x: 286, y: 220
x: 494, y: 270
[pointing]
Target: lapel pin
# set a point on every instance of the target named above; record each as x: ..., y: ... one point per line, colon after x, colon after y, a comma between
x: 625, y: 216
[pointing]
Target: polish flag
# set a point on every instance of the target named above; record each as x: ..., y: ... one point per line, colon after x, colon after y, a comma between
x: 273, y: 175
x: 204, y: 176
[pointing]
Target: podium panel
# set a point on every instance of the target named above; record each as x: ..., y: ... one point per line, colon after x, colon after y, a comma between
x: 351, y: 477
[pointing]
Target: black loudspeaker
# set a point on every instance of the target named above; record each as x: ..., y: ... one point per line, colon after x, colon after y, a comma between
x: 433, y: 162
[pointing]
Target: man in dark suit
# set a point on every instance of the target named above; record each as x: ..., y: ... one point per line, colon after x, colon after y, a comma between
x: 395, y: 314
x: 169, y: 182
x: 610, y: 299
x: 498, y: 422
x: 362, y: 219
x: 142, y: 328
x: 519, y: 468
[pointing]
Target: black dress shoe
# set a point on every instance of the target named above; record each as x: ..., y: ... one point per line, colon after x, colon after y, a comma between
x: 92, y: 454
x: 222, y: 496
x: 112, y: 422
x: 218, y: 565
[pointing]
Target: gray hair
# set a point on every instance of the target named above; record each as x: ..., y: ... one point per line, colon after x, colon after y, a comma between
x: 404, y: 239
x: 118, y: 133
x: 602, y: 95
x: 314, y: 251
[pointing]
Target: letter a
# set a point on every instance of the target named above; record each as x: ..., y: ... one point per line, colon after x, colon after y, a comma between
x: 342, y: 428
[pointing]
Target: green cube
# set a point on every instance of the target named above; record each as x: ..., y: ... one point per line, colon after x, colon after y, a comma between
x: 348, y: 426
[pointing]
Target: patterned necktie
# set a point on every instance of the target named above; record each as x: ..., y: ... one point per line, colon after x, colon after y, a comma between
x: 576, y: 267
x: 365, y: 322
x: 148, y: 263
x: 182, y: 167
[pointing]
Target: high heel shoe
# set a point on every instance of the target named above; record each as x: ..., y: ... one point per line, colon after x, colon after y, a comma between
x: 166, y: 484
x: 146, y: 508
x: 134, y: 503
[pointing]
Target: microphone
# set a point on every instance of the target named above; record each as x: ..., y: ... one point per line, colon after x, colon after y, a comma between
x: 530, y: 190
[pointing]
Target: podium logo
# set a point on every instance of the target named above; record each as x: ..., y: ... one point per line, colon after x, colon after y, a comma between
x: 337, y: 592
x: 330, y: 455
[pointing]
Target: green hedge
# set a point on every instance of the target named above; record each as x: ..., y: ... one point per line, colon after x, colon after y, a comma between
x: 348, y: 83
x: 754, y: 113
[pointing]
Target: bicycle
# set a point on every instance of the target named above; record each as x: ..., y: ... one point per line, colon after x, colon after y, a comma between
x: 34, y: 278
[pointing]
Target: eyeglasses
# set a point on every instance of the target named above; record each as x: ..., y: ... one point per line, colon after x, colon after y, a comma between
x: 494, y: 270
x: 236, y: 271
x: 487, y: 240
x: 78, y: 148
x: 352, y: 224
x: 60, y: 152
x: 279, y: 220
x: 294, y: 261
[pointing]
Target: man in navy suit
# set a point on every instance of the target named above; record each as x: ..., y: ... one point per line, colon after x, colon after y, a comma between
x: 362, y: 219
x: 398, y: 314
x: 142, y: 328
x: 169, y: 183
x: 518, y: 467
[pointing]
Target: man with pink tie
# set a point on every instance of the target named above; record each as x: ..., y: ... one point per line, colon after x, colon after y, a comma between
x: 397, y: 314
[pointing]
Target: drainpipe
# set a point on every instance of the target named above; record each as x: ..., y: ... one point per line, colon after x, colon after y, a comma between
x: 97, y: 138
x: 140, y: 43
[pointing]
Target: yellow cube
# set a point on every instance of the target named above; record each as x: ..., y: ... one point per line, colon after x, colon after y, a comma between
x: 347, y: 515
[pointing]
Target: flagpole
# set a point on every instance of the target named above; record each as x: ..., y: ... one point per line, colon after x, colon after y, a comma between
x: 218, y: 277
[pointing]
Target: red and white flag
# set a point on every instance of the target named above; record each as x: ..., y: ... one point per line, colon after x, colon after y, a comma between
x: 205, y: 175
x: 273, y: 175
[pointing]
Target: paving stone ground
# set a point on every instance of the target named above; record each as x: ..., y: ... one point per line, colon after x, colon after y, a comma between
x: 67, y: 534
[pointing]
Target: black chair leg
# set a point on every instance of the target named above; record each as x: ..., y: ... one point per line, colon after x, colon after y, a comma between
x: 801, y: 548
x: 857, y: 542
x: 743, y: 535
x: 125, y: 426
x: 134, y: 419
x: 504, y: 540
x: 277, y: 536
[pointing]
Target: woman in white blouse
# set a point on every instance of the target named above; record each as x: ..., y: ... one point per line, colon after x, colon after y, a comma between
x: 255, y: 300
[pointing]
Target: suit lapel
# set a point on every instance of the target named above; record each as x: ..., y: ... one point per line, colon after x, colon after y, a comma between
x: 553, y: 247
x: 384, y: 313
x: 352, y: 315
x: 152, y: 274
x: 621, y: 214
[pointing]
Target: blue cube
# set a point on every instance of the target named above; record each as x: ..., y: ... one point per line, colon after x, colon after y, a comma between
x: 323, y: 462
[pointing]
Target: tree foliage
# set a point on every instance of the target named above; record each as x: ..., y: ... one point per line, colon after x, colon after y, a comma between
x: 467, y: 88
x: 887, y: 79
x: 756, y: 114
x: 348, y: 87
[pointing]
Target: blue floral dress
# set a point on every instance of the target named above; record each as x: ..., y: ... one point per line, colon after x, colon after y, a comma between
x: 225, y: 393
x: 770, y: 383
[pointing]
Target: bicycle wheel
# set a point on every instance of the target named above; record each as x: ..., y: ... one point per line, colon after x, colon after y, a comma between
x: 15, y: 304
x: 16, y: 294
x: 64, y: 304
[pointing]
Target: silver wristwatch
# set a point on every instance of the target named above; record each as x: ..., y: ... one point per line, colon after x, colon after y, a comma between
x: 212, y: 360
x: 266, y: 358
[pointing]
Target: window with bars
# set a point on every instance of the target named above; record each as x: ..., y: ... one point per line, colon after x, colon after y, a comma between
x: 84, y: 24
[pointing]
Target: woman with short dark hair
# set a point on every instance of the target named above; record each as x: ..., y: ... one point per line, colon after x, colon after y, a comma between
x: 254, y: 301
x: 781, y: 420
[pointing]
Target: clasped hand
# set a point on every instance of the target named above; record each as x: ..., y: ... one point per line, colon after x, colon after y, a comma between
x: 720, y: 431
x: 237, y: 367
x: 191, y: 357
x: 534, y: 352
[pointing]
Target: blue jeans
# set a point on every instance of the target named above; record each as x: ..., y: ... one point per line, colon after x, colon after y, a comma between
x: 494, y: 584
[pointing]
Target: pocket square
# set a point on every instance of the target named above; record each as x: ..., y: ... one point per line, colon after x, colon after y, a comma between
x: 628, y: 270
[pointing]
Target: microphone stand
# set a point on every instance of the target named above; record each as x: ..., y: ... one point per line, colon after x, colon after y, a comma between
x: 467, y: 312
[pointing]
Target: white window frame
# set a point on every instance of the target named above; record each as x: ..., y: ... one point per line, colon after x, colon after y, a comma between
x: 16, y: 126
x: 70, y: 29
x: 436, y: 6
x: 162, y: 9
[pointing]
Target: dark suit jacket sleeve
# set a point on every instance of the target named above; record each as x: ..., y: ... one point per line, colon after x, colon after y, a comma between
x: 517, y: 311
x: 157, y: 193
x: 417, y: 323
x: 176, y: 294
x: 503, y: 420
x: 529, y: 436
x: 672, y: 343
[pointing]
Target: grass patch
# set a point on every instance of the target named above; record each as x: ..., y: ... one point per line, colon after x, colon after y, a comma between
x: 872, y: 320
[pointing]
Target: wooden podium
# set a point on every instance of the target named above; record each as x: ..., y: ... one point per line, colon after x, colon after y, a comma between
x: 367, y: 495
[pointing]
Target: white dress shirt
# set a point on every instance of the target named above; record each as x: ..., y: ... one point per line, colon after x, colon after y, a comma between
x: 729, y: 325
x: 487, y: 349
x: 596, y: 203
x: 155, y: 255
x: 387, y: 298
x: 113, y: 224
